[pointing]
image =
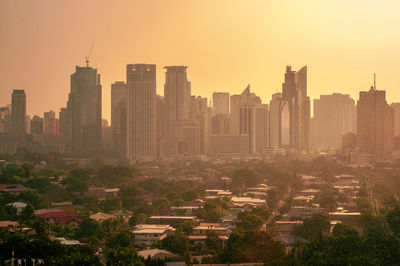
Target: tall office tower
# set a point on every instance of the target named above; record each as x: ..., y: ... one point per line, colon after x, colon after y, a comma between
x: 27, y: 124
x: 375, y: 124
x: 64, y: 122
x: 18, y: 112
x: 246, y: 97
x: 278, y: 121
x: 294, y: 91
x: 85, y: 102
x: 396, y: 109
x: 191, y: 137
x: 220, y: 125
x: 65, y: 125
x: 36, y: 125
x: 176, y: 99
x: 119, y: 95
x: 5, y: 119
x: 141, y: 111
x: 221, y: 102
x: 253, y: 122
x: 106, y: 136
x: 160, y: 122
x: 335, y: 115
x: 199, y: 113
x: 50, y: 123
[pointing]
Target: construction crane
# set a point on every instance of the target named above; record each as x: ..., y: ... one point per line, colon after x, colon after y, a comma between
x: 88, y: 56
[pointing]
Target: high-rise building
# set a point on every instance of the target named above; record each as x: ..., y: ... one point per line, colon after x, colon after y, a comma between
x: 65, y: 125
x: 191, y: 137
x: 335, y: 115
x: 375, y: 124
x: 27, y: 124
x: 177, y: 91
x: 246, y: 97
x: 396, y: 109
x: 221, y: 102
x: 106, y: 136
x: 294, y: 91
x: 200, y: 113
x: 253, y: 122
x: 141, y: 111
x: 36, y: 125
x: 50, y: 123
x: 85, y: 103
x: 278, y: 122
x: 5, y: 119
x: 18, y: 112
x: 220, y: 125
x: 160, y: 122
x: 119, y: 95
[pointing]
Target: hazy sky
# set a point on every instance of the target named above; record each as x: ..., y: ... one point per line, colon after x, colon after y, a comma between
x: 226, y: 44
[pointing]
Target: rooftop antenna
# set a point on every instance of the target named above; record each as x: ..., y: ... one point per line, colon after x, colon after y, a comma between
x: 88, y: 56
x: 374, y: 81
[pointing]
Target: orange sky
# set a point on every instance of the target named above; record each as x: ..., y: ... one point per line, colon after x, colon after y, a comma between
x: 226, y: 44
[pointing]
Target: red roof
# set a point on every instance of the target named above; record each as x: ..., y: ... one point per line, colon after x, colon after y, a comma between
x: 13, y: 188
x: 56, y: 214
x: 60, y: 217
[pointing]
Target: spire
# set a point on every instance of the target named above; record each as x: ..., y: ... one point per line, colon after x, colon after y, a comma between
x: 375, y: 81
x: 247, y: 90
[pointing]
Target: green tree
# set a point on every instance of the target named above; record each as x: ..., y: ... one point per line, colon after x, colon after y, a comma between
x: 123, y: 256
x: 27, y: 213
x: 186, y: 227
x: 137, y: 219
x: 177, y: 243
x: 121, y: 239
x: 213, y: 243
x: 250, y: 221
x: 88, y: 228
x: 314, y: 226
x: 244, y: 177
x: 393, y: 219
x: 75, y: 185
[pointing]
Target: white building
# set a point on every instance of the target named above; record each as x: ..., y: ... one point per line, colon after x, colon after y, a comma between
x: 148, y: 234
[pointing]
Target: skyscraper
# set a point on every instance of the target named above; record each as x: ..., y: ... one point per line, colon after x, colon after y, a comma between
x: 375, y: 124
x: 36, y: 125
x: 221, y: 102
x: 85, y: 102
x: 191, y: 137
x: 253, y: 122
x: 65, y: 125
x: 220, y: 125
x: 294, y: 91
x: 160, y: 122
x: 177, y: 92
x: 335, y: 115
x: 246, y: 97
x: 396, y: 108
x: 141, y: 111
x: 27, y: 124
x: 200, y: 113
x: 119, y: 95
x: 50, y: 123
x: 18, y: 112
x: 5, y: 119
x: 278, y: 121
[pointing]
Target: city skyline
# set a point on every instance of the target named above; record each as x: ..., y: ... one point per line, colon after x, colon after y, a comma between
x: 341, y: 51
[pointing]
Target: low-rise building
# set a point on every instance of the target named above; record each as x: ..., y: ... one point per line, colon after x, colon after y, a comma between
x: 101, y: 217
x: 17, y: 205
x: 148, y: 234
x: 61, y: 217
x: 184, y: 210
x: 174, y: 221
